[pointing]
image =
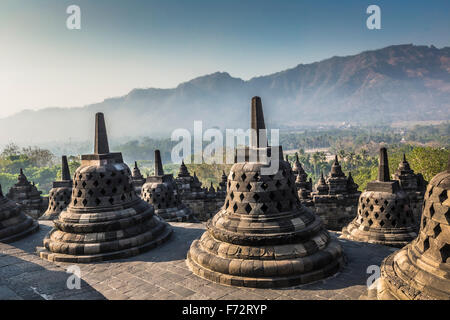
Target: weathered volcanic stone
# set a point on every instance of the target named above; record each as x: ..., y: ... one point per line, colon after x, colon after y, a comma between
x: 384, y: 212
x: 138, y: 179
x: 161, y: 191
x: 59, y: 195
x: 26, y: 194
x: 197, y: 198
x: 421, y: 270
x: 263, y: 236
x: 336, y: 198
x: 413, y: 184
x: 105, y: 219
x: 14, y: 223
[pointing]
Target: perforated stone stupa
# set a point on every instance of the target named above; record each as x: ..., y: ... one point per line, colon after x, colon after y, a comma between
x: 384, y: 212
x: 413, y: 184
x: 105, y: 219
x: 161, y: 191
x: 336, y: 198
x: 421, y: 270
x: 263, y: 236
x: 14, y: 223
x: 138, y: 179
x: 26, y: 194
x: 59, y: 195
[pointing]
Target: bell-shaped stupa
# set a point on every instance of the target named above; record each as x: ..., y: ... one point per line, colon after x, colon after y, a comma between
x: 14, y: 223
x: 105, y: 219
x: 413, y: 184
x: 384, y: 212
x: 138, y: 178
x: 263, y: 236
x: 161, y: 191
x: 59, y: 195
x: 26, y: 194
x: 421, y: 270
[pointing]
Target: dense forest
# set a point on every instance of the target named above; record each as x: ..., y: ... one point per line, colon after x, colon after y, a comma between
x: 426, y: 147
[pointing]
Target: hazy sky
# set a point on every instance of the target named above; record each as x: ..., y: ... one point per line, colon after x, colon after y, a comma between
x: 127, y: 44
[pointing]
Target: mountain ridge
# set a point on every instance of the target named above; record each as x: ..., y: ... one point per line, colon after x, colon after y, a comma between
x: 398, y: 82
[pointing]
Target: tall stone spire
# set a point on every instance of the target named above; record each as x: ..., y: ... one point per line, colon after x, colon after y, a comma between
x: 159, y: 171
x: 65, y: 172
x: 383, y: 168
x: 101, y: 138
x: 258, y: 134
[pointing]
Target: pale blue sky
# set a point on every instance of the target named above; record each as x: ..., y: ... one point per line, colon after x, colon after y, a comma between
x: 160, y: 43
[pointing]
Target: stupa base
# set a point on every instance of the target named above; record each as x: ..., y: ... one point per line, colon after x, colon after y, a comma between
x: 49, y: 216
x: 401, y: 279
x: 18, y: 232
x: 113, y: 255
x: 264, y: 273
x: 393, y: 237
x: 182, y: 214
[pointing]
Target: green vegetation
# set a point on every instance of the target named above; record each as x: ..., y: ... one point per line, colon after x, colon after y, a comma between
x: 426, y: 147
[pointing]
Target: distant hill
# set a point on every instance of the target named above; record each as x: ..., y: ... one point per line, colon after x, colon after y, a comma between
x: 396, y: 83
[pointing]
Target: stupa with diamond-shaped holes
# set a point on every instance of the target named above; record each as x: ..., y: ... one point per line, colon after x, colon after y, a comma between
x: 161, y: 191
x: 105, y: 219
x: 384, y: 212
x: 59, y: 195
x: 263, y: 236
x: 421, y: 270
x: 138, y: 178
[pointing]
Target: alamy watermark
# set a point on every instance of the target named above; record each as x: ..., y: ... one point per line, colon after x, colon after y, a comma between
x: 73, y: 21
x: 74, y: 280
x: 220, y: 149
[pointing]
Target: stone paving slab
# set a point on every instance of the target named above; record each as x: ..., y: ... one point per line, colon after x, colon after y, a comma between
x: 162, y: 274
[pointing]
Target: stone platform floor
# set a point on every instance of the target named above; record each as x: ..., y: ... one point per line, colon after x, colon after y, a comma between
x: 162, y: 273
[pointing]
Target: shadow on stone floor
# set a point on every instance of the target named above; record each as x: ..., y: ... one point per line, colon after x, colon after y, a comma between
x: 26, y: 277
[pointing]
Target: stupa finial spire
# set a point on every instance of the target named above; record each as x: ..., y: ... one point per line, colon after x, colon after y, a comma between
x: 383, y: 168
x: 158, y: 164
x: 65, y: 172
x: 258, y: 136
x: 101, y: 138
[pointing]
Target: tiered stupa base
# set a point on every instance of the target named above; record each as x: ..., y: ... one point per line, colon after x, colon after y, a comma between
x: 402, y: 280
x: 265, y: 266
x: 104, y: 236
x: 14, y: 225
x: 180, y: 214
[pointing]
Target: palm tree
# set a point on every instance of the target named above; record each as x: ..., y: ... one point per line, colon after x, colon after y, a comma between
x: 316, y: 159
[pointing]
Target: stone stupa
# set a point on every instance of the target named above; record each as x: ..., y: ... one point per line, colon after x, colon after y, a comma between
x: 26, y: 194
x: 59, y: 195
x: 14, y: 223
x: 263, y: 236
x: 138, y: 178
x: 336, y: 199
x: 161, y: 191
x: 384, y: 212
x: 413, y: 184
x: 421, y: 270
x: 105, y: 219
